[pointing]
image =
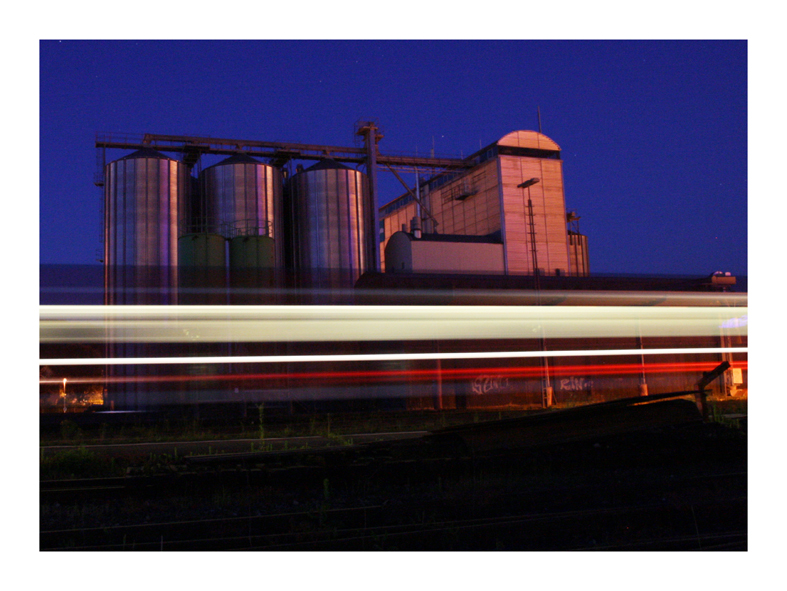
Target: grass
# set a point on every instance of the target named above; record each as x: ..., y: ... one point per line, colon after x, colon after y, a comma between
x: 723, y: 411
x: 82, y: 463
x: 267, y: 425
x: 339, y: 439
x: 79, y: 463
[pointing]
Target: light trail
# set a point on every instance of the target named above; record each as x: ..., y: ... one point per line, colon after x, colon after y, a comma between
x: 421, y: 374
x: 382, y: 356
x: 478, y: 296
x: 212, y: 324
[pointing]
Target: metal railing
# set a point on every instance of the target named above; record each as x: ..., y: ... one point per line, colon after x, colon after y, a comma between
x: 234, y: 229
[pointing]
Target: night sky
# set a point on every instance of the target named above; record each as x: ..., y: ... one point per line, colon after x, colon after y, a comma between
x: 653, y: 133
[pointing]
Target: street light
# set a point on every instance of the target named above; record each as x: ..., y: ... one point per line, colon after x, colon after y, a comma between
x: 547, y: 392
x: 64, y: 394
x: 526, y: 185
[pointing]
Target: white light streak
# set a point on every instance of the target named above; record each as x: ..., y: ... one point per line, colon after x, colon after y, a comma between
x: 384, y: 356
x: 210, y: 324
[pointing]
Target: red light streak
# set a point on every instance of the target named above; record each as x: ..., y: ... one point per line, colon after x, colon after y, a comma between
x: 419, y: 375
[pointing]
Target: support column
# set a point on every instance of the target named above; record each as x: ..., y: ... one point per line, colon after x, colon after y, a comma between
x: 369, y: 131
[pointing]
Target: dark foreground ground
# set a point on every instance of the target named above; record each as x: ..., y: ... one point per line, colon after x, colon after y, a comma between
x: 612, y: 477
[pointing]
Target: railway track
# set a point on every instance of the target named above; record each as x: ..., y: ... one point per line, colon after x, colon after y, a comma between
x: 625, y: 520
x: 643, y: 483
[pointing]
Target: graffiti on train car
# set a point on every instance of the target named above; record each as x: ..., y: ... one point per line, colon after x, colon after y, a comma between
x: 575, y: 384
x: 491, y: 384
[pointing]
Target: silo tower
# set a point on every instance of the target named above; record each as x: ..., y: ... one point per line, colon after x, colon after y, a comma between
x: 242, y: 201
x: 145, y: 196
x: 144, y: 203
x: 330, y: 219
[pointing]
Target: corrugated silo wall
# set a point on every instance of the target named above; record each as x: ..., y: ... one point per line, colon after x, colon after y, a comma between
x: 329, y: 213
x: 145, y: 195
x: 145, y: 202
x: 243, y: 200
x: 331, y: 225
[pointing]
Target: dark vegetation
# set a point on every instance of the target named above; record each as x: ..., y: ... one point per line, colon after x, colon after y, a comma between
x: 652, y: 477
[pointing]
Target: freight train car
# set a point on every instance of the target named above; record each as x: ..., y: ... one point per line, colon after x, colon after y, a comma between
x: 420, y: 342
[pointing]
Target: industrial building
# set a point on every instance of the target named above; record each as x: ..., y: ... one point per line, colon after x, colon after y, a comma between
x: 512, y: 196
x: 277, y: 222
x: 499, y: 211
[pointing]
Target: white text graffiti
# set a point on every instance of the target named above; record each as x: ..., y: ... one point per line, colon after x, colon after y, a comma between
x: 490, y: 384
x: 575, y: 384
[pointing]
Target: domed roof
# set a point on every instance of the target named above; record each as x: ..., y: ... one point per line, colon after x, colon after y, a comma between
x: 145, y: 153
x: 528, y: 139
x: 327, y: 164
x: 236, y: 159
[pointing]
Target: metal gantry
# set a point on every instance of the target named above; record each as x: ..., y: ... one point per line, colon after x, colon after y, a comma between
x: 278, y: 153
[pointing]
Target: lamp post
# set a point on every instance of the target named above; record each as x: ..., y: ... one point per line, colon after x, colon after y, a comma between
x: 546, y: 392
x: 64, y: 394
x: 526, y: 185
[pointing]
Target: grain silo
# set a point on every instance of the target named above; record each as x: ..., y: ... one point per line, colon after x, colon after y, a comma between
x: 144, y: 202
x: 242, y: 198
x: 331, y: 224
x: 145, y: 197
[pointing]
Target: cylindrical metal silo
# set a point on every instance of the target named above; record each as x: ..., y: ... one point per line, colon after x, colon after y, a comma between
x: 243, y: 197
x: 330, y: 215
x: 144, y: 201
x: 243, y: 200
x: 145, y: 196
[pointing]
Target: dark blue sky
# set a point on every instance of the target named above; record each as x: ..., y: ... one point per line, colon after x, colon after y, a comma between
x: 653, y: 133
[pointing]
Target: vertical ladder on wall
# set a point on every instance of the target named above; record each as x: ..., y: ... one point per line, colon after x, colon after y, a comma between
x: 98, y: 181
